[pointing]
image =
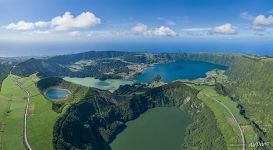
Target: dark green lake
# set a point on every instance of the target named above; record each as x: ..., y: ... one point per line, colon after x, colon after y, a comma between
x: 178, y: 70
x: 161, y: 128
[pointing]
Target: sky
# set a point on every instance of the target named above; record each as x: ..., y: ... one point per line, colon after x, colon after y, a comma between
x: 80, y: 25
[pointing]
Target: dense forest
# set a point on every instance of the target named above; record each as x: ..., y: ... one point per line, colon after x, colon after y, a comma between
x: 4, y: 71
x: 94, y: 121
x: 252, y: 88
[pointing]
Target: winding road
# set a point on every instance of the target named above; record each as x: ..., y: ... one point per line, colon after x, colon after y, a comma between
x: 243, y: 145
x: 20, y: 85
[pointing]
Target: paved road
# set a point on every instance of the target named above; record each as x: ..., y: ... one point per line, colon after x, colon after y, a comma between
x: 20, y: 85
x: 243, y: 145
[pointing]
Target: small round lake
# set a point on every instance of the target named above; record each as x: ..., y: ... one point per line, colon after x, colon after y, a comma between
x: 161, y: 128
x: 178, y: 70
x: 56, y: 93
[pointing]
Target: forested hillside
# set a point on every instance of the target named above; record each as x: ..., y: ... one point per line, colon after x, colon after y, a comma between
x: 88, y: 64
x: 109, y: 64
x: 4, y: 72
x: 252, y: 86
x: 95, y: 121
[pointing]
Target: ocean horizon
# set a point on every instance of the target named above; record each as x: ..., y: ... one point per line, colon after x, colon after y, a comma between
x: 51, y: 49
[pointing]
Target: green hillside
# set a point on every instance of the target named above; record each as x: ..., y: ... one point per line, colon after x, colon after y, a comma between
x: 252, y: 86
x: 42, y: 112
x: 95, y: 121
x: 12, y: 115
x: 108, y: 64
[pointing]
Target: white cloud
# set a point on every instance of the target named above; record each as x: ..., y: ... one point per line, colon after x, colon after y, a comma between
x: 40, y: 32
x: 68, y: 21
x: 21, y: 25
x: 260, y: 21
x: 164, y: 31
x: 41, y: 24
x: 141, y: 28
x: 60, y: 23
x: 225, y: 29
x: 75, y: 33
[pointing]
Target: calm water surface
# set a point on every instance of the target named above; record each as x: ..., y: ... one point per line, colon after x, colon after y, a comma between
x: 161, y: 128
x: 109, y: 84
x: 178, y: 70
x: 56, y: 93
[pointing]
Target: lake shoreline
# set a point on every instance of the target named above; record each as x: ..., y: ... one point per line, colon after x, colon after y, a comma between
x: 56, y: 88
x: 177, y: 70
x: 109, y: 84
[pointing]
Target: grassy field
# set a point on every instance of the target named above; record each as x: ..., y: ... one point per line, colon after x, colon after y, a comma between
x: 209, y: 90
x: 5, y: 104
x: 225, y: 122
x: 42, y: 118
x: 12, y: 116
x: 40, y: 121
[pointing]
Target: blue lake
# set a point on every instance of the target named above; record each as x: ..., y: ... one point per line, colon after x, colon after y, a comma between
x: 178, y: 70
x: 57, y: 94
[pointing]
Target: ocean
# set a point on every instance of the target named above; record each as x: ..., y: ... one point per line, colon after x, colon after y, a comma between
x: 50, y: 49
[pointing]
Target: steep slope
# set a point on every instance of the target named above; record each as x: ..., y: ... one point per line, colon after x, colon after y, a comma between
x: 4, y: 72
x: 252, y: 86
x: 101, y: 115
x: 45, y: 68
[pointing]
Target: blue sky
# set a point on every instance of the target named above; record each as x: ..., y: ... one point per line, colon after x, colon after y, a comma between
x: 53, y: 21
